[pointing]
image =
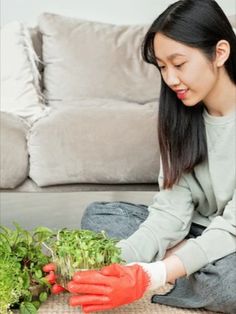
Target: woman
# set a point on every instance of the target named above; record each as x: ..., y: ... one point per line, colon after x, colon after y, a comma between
x: 188, y: 235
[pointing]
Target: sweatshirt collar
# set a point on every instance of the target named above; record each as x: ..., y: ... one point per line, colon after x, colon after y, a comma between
x: 219, y: 119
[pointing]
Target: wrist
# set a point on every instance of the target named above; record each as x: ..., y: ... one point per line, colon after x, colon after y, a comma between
x: 157, y: 274
x: 174, y: 268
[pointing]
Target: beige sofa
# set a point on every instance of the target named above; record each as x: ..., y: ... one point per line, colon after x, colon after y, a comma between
x: 90, y: 120
x: 78, y: 107
x: 78, y: 116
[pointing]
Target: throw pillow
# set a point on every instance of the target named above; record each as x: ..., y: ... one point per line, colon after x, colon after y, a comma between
x: 13, y: 147
x: 20, y: 88
x: 85, y: 59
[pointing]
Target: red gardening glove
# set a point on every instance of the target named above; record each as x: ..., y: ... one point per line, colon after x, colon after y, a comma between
x: 51, y: 278
x: 113, y: 286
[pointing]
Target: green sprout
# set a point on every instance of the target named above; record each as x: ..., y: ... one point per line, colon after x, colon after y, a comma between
x: 74, y: 250
x: 22, y: 282
x: 21, y: 260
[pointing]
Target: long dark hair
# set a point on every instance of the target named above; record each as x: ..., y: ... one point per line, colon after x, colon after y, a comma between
x: 181, y: 131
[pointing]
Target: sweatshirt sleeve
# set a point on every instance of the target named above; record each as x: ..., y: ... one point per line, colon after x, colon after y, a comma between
x: 168, y: 223
x: 217, y: 241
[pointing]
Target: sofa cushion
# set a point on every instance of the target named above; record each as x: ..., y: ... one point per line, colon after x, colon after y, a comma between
x: 93, y: 59
x: 13, y: 148
x: 36, y: 38
x: 110, y: 142
x: 232, y: 19
x: 20, y: 88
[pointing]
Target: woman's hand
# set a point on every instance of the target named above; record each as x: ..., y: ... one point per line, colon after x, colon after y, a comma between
x: 113, y: 286
x: 51, y: 278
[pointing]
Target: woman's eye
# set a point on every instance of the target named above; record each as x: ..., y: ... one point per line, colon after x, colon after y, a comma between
x: 161, y: 67
x: 179, y: 65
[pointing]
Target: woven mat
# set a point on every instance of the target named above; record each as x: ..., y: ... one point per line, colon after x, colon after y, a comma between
x: 59, y: 305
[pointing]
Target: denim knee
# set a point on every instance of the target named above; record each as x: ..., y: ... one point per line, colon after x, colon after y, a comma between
x: 212, y: 287
x: 118, y: 219
x: 220, y: 287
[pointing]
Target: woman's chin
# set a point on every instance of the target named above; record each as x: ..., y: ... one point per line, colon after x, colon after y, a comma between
x: 189, y: 102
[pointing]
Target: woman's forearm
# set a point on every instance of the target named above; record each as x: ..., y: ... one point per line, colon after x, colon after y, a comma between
x: 174, y: 267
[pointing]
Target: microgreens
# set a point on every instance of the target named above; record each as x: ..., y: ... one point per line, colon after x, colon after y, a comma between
x: 21, y: 259
x: 22, y: 282
x: 74, y: 250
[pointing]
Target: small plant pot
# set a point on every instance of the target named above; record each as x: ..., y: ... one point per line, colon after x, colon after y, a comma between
x: 76, y: 250
x: 65, y: 272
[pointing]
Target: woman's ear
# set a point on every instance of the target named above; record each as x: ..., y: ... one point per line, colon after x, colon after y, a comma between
x: 222, y: 52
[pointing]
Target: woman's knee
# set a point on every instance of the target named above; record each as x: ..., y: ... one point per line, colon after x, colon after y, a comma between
x: 100, y: 216
x: 118, y: 219
x: 227, y: 293
x: 217, y: 284
x: 87, y: 221
x: 223, y: 298
x: 227, y: 273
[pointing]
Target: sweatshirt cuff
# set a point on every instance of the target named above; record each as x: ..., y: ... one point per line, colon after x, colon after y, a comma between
x: 192, y: 256
x: 127, y: 252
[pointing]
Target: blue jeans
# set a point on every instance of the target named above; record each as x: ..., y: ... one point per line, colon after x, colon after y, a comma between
x: 213, y: 287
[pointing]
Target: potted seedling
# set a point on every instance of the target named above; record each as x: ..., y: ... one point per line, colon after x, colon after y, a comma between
x: 22, y: 285
x: 10, y: 285
x: 75, y: 250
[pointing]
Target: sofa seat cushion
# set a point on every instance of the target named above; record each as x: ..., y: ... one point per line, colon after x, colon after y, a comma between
x: 30, y: 186
x: 110, y: 142
x: 13, y: 148
x: 92, y: 59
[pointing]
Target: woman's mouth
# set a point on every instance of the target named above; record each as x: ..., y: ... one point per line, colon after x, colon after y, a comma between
x: 181, y: 93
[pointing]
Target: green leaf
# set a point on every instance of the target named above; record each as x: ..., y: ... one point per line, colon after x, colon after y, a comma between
x: 36, y: 304
x: 27, y: 308
x: 42, y: 233
x: 115, y: 259
x: 26, y: 280
x: 43, y: 296
x: 38, y: 274
x: 100, y: 258
x: 43, y: 230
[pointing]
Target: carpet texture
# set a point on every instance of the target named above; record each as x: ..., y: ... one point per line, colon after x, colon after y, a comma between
x: 59, y: 305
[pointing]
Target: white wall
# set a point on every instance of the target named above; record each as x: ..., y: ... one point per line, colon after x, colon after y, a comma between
x: 112, y: 11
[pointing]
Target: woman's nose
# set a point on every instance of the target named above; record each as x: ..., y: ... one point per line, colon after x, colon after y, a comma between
x: 172, y: 78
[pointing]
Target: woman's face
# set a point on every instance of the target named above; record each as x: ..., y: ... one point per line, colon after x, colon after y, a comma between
x: 185, y: 70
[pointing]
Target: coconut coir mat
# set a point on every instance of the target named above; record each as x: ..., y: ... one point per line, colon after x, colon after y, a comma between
x: 58, y: 304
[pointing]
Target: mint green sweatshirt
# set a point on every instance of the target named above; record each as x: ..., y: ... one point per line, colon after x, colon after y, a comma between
x: 207, y: 197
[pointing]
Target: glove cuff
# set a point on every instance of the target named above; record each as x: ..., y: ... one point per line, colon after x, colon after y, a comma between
x: 157, y: 274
